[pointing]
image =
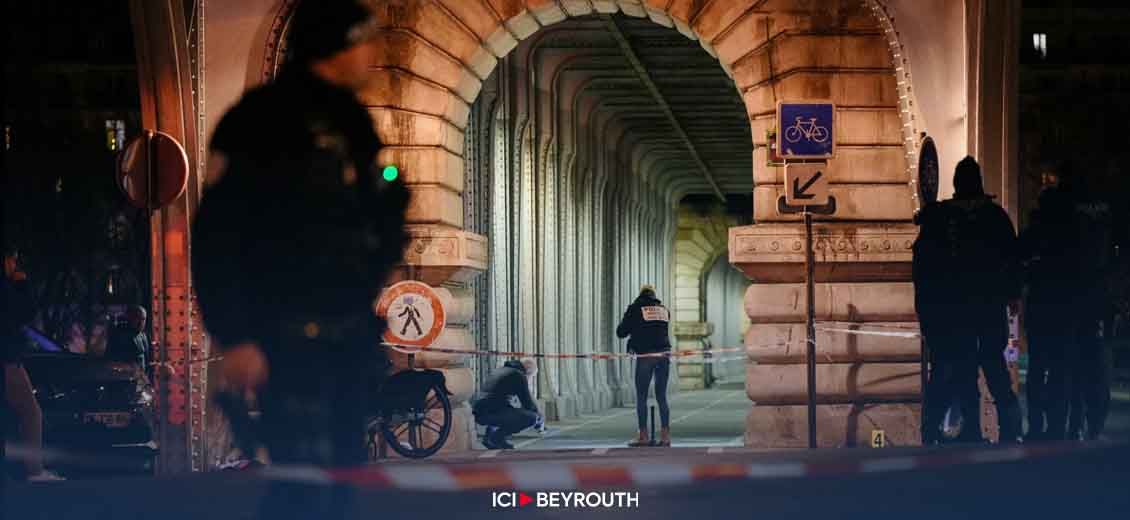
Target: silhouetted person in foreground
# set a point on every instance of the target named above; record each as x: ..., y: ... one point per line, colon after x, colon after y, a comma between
x: 647, y: 321
x: 293, y: 244
x: 494, y: 411
x: 1049, y: 250
x: 1093, y: 225
x: 965, y: 280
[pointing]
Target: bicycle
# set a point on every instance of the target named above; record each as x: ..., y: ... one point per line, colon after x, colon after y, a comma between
x: 809, y: 130
x: 409, y: 402
x: 412, y: 415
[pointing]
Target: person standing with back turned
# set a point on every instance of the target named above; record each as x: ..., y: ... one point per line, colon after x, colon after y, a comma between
x: 648, y: 323
x: 966, y: 281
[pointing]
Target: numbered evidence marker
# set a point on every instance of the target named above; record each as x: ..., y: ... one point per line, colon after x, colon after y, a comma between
x: 806, y: 184
x: 878, y: 439
x: 414, y: 312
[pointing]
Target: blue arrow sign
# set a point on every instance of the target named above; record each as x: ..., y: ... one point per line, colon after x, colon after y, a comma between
x: 806, y: 130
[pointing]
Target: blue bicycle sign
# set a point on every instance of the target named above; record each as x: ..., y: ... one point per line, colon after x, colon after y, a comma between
x: 806, y: 130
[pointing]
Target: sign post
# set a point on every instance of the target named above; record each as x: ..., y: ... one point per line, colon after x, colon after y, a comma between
x: 810, y: 310
x: 806, y: 130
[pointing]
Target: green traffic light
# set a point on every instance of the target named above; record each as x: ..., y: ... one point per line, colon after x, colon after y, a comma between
x: 391, y: 173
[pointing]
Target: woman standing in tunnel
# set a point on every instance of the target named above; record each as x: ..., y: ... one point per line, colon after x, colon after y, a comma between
x: 647, y: 322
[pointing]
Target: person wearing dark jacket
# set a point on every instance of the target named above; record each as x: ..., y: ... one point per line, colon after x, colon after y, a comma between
x: 295, y: 238
x: 647, y: 322
x: 966, y: 280
x: 1049, y: 250
x: 493, y: 409
x: 1093, y: 225
x: 127, y: 341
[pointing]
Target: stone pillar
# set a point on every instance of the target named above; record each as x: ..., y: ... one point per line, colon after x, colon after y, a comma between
x: 864, y: 382
x: 691, y: 335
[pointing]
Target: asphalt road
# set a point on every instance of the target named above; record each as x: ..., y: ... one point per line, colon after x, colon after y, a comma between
x: 1087, y: 481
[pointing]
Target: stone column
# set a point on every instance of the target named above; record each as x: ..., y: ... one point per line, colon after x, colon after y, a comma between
x: 864, y: 382
x: 691, y: 335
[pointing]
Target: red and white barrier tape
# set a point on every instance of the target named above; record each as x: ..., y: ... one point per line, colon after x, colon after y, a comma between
x: 862, y: 332
x: 557, y: 476
x: 704, y: 353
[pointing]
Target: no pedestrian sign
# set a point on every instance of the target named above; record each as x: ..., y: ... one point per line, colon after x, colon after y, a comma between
x: 414, y: 313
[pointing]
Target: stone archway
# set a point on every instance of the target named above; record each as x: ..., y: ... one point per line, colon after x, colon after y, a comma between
x: 700, y: 241
x: 439, y: 54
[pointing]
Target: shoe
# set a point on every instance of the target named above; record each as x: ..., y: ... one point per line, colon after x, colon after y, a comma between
x: 46, y: 476
x: 492, y: 441
x: 664, y: 438
x: 640, y: 441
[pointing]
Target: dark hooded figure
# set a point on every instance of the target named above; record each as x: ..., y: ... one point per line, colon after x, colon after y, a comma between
x: 1092, y: 222
x: 1048, y: 250
x: 965, y: 279
x: 647, y: 321
x: 293, y: 242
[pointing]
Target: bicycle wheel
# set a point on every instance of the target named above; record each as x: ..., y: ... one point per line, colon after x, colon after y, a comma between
x: 819, y: 134
x: 422, y: 429
x: 792, y: 134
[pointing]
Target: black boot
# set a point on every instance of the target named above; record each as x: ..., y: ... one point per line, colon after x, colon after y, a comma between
x: 1010, y: 422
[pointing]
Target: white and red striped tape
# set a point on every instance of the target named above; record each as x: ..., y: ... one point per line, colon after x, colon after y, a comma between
x: 558, y: 476
x: 706, y: 354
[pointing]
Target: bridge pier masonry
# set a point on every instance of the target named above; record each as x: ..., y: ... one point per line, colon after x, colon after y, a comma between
x: 863, y: 251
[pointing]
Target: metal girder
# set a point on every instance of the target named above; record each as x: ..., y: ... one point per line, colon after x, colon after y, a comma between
x: 645, y: 77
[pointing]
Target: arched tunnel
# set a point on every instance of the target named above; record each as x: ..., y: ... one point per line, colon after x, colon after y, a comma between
x: 580, y: 152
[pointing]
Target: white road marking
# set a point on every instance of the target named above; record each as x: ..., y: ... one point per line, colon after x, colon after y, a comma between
x: 600, y: 451
x: 714, y: 450
x: 489, y: 454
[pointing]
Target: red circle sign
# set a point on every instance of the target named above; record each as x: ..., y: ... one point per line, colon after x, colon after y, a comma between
x: 414, y: 313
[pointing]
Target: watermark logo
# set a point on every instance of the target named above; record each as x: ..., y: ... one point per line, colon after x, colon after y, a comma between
x: 566, y: 500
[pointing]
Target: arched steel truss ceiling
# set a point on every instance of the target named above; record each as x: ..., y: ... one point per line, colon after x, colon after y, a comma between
x: 580, y: 61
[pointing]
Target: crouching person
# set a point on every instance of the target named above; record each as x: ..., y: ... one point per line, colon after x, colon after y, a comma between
x: 494, y: 410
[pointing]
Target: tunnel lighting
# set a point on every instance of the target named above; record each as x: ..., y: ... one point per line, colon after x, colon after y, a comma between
x: 391, y: 172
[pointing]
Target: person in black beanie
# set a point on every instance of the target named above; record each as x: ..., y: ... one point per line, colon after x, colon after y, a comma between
x: 966, y: 281
x: 294, y: 239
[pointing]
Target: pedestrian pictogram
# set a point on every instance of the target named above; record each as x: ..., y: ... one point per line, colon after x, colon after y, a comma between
x: 414, y: 312
x: 806, y: 130
x: 806, y: 184
x: 878, y: 439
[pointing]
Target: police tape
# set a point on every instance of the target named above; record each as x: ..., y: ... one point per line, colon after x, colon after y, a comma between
x: 862, y: 332
x: 706, y: 354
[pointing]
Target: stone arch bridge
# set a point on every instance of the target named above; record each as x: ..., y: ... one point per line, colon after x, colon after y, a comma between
x: 563, y: 152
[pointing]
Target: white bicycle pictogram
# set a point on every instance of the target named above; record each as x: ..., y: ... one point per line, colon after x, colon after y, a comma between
x: 809, y: 130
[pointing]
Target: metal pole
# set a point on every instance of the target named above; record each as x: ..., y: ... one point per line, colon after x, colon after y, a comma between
x: 810, y: 306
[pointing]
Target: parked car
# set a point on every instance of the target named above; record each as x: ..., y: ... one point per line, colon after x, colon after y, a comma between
x: 98, y: 415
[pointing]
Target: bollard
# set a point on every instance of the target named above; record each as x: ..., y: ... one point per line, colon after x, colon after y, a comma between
x: 652, y: 442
